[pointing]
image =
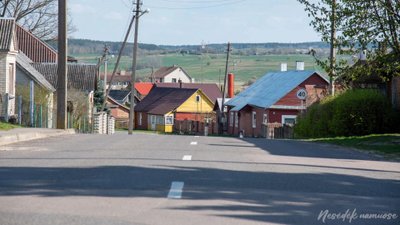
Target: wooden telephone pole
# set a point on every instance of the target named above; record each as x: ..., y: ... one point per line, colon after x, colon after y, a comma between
x: 223, y: 118
x: 332, y: 57
x: 62, y: 66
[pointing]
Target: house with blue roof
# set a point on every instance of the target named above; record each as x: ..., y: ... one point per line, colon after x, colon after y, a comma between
x: 277, y: 97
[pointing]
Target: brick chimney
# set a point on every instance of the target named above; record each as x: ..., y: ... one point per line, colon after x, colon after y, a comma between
x: 231, y: 85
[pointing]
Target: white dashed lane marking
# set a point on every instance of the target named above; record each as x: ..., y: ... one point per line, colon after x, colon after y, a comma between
x: 193, y: 143
x: 175, y: 191
x: 187, y: 157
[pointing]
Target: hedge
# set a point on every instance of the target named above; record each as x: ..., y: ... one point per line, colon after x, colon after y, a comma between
x: 353, y: 113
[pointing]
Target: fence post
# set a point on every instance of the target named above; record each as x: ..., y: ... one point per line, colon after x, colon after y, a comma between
x: 40, y: 116
x: 6, y: 102
x: 31, y: 103
x: 20, y: 110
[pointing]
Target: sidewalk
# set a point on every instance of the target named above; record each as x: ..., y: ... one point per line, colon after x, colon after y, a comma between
x: 26, y: 134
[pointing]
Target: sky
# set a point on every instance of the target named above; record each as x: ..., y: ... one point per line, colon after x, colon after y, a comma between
x: 193, y: 22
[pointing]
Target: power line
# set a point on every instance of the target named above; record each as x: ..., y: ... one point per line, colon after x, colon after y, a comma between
x: 198, y: 7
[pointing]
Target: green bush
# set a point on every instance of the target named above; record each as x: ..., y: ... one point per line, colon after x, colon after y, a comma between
x: 353, y: 113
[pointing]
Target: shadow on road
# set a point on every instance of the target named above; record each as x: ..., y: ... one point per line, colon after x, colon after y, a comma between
x: 258, y: 196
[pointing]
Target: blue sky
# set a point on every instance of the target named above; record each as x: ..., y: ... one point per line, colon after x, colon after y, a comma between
x: 177, y: 22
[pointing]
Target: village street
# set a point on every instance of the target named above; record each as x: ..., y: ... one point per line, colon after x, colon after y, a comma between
x: 148, y: 179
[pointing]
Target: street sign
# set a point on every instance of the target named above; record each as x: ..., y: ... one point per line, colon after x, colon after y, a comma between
x: 301, y: 94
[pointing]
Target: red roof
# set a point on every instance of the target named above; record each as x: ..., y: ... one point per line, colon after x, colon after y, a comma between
x: 143, y: 88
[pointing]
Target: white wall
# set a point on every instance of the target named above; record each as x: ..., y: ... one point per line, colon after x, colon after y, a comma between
x: 177, y: 74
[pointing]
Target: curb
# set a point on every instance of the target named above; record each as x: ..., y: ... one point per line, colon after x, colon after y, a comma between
x: 11, y: 138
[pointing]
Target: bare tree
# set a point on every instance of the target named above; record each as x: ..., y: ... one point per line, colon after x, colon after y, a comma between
x: 37, y: 16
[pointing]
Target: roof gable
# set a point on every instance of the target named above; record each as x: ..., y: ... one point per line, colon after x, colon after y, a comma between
x: 164, y: 71
x: 7, y: 34
x: 143, y: 88
x: 269, y: 89
x: 211, y: 90
x: 163, y: 100
x: 24, y: 63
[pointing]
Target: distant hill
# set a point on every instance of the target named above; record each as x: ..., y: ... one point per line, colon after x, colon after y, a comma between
x: 84, y: 46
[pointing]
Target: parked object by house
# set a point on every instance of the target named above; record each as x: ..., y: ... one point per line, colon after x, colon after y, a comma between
x: 164, y: 106
x: 171, y: 74
x: 277, y: 97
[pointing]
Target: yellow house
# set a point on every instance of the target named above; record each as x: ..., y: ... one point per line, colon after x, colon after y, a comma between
x: 162, y: 106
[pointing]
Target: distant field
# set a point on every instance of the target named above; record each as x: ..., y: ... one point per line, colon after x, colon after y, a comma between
x: 211, y: 67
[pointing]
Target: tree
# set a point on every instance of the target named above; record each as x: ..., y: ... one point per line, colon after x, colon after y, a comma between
x: 38, y: 16
x: 371, y: 25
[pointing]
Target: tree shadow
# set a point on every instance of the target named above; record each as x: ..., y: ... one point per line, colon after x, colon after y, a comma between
x: 288, y: 198
x: 299, y: 148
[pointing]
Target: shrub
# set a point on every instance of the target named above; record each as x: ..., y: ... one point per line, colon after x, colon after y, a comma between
x: 355, y: 112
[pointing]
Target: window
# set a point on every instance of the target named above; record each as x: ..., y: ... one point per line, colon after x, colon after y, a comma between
x: 236, y: 119
x: 169, y: 120
x: 140, y: 119
x: 173, y: 80
x: 265, y: 118
x: 288, y: 119
x: 198, y: 98
x: 160, y: 120
x: 11, y: 79
x: 231, y: 119
x: 254, y: 119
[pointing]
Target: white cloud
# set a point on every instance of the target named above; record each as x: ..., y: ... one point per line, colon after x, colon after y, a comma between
x: 81, y: 8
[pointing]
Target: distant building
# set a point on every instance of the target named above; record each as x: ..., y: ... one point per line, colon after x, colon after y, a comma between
x: 162, y: 107
x: 273, y: 99
x: 210, y: 89
x: 171, y: 74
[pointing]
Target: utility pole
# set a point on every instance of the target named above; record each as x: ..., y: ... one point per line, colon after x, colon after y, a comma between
x: 118, y: 59
x: 133, y: 76
x: 105, y: 72
x: 332, y: 59
x: 222, y: 120
x: 62, y: 66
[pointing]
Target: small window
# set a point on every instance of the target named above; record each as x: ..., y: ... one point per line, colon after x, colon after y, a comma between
x: 173, y: 80
x: 231, y: 119
x: 160, y: 120
x: 288, y: 120
x: 140, y: 119
x: 254, y: 119
x: 265, y: 118
x: 236, y: 119
x: 169, y: 120
x: 198, y: 98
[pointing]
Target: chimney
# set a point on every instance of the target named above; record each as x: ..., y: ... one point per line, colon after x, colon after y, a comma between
x: 180, y: 83
x: 299, y: 65
x: 231, y: 85
x: 283, y: 67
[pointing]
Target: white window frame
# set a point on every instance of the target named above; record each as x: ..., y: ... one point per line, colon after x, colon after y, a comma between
x: 288, y: 117
x: 140, y: 119
x: 254, y: 119
x: 171, y: 117
x: 231, y: 119
x: 265, y: 118
x: 236, y: 119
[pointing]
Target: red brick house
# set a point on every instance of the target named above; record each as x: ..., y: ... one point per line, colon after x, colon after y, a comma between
x: 273, y: 99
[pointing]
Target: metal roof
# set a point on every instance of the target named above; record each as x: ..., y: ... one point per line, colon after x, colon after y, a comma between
x: 7, y: 31
x: 210, y: 89
x: 24, y: 63
x: 163, y: 100
x: 269, y: 89
x: 80, y: 76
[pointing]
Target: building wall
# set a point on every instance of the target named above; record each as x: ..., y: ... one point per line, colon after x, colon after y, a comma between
x: 275, y: 115
x: 291, y: 99
x: 6, y: 59
x: 192, y: 106
x: 177, y: 74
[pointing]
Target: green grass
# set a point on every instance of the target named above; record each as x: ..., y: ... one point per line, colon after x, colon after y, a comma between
x: 7, y: 126
x: 211, y: 67
x: 383, y: 143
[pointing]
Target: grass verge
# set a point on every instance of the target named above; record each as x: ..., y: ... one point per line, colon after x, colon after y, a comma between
x: 7, y: 126
x: 383, y: 143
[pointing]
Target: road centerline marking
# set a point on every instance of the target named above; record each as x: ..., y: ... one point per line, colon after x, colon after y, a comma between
x: 175, y: 192
x: 193, y: 143
x: 187, y: 158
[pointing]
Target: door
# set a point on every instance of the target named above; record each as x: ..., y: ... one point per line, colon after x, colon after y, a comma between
x: 153, y: 122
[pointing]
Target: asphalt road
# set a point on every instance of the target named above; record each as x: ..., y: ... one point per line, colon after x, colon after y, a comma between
x: 147, y: 179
